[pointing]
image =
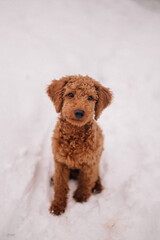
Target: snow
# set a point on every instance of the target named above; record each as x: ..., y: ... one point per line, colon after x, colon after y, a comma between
x: 117, y: 43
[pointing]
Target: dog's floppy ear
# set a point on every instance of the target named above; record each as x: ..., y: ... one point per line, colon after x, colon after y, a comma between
x: 104, y: 99
x: 55, y: 92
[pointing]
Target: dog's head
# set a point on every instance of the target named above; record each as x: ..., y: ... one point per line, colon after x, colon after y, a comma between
x: 79, y: 98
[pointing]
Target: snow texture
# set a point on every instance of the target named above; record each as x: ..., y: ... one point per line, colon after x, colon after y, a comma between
x: 116, y: 42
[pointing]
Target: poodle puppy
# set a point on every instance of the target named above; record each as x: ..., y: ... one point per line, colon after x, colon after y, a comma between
x: 77, y: 141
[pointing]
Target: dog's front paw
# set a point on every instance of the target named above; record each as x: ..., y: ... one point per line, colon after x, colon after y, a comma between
x: 56, y: 209
x: 81, y: 196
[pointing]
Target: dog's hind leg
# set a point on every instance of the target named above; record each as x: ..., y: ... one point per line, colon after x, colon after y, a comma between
x: 51, y: 181
x: 98, y: 186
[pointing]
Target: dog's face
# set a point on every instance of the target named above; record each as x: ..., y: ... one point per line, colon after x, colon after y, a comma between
x: 79, y: 101
x: 79, y: 98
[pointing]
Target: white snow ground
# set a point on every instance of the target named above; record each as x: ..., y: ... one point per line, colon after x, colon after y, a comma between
x: 116, y: 42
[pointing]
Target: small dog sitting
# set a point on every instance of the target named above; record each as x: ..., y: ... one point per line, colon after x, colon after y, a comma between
x: 77, y: 142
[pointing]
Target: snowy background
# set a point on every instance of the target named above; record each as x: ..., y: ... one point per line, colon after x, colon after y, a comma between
x: 117, y: 42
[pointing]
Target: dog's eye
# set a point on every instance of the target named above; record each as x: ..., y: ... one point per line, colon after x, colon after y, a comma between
x: 90, y: 98
x: 71, y: 95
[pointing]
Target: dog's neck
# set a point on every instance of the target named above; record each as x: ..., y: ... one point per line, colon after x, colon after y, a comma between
x: 70, y: 129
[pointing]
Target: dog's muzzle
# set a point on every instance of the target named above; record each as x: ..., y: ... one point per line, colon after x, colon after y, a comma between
x: 79, y: 113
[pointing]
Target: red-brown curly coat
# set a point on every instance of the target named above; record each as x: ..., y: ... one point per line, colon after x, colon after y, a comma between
x: 77, y: 142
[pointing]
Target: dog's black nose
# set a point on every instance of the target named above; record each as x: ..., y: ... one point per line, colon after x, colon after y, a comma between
x: 79, y: 113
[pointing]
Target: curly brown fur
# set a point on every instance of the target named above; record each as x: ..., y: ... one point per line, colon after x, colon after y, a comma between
x: 77, y: 142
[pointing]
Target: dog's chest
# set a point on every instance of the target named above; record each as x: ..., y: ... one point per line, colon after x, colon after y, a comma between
x: 75, y: 146
x: 76, y: 143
